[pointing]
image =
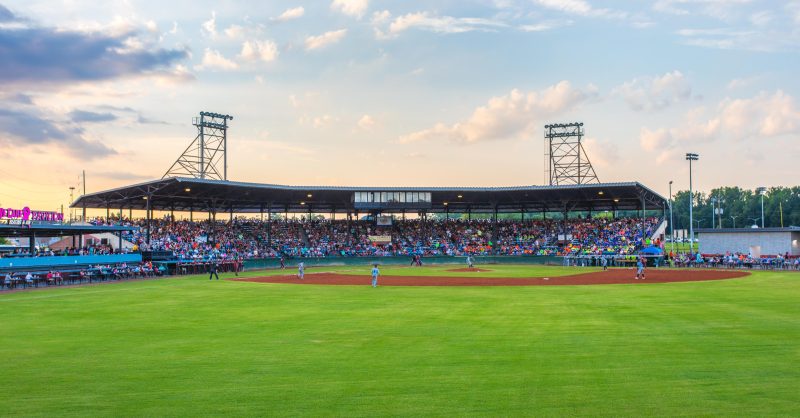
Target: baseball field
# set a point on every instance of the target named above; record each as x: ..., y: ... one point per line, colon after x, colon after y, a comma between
x: 187, y: 346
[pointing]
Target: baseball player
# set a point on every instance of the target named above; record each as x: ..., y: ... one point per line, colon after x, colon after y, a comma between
x: 604, y: 262
x: 301, y: 270
x: 375, y: 274
x: 640, y: 269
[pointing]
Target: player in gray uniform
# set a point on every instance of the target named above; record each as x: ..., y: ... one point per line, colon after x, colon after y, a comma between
x: 301, y: 270
x: 639, y: 269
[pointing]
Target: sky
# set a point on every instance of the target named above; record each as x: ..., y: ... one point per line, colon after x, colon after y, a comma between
x: 403, y: 93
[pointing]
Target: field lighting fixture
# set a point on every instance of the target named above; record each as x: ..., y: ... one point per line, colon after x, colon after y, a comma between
x: 302, y: 203
x: 187, y: 190
x: 600, y: 192
x: 460, y: 196
x: 691, y: 156
x: 309, y: 195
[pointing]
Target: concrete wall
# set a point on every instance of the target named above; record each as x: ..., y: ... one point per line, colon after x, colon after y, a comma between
x: 770, y: 243
x: 22, y: 263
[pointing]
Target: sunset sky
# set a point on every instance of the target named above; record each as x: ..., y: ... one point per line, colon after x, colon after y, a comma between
x: 416, y: 93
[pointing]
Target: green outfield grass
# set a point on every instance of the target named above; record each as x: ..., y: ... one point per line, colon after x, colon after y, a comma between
x: 188, y: 347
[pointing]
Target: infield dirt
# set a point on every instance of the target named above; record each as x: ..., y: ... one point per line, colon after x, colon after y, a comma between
x: 612, y: 276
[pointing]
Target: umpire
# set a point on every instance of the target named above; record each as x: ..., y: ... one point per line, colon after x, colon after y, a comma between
x: 212, y: 270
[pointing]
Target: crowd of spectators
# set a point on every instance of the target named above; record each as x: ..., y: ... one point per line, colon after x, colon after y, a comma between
x: 247, y: 238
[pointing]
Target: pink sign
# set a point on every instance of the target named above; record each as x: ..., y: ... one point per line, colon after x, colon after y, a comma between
x: 26, y: 214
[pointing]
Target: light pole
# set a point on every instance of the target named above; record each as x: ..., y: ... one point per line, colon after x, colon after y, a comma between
x: 713, y: 201
x: 691, y: 157
x: 720, y: 201
x: 734, y: 221
x: 755, y: 220
x: 762, y: 190
x: 71, y: 191
x: 671, y: 221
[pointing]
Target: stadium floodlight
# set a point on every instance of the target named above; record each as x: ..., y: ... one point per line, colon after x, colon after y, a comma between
x: 309, y: 195
x: 600, y: 192
x: 762, y: 191
x: 187, y: 190
x: 691, y: 156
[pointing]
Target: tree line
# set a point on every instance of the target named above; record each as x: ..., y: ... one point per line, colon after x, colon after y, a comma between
x: 740, y: 207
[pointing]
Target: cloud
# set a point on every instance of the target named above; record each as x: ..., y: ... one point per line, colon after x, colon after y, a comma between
x: 762, y: 18
x: 213, y: 60
x: 265, y: 51
x: 289, y: 14
x: 380, y: 17
x: 122, y: 175
x: 324, y: 120
x: 366, y: 122
x: 545, y: 25
x: 327, y: 38
x: 766, y: 38
x: 49, y: 56
x: 580, y: 8
x: 738, y: 83
x: 725, y: 10
x: 234, y: 32
x: 514, y: 115
x: 653, y: 93
x: 751, y: 119
x: 23, y: 129
x: 79, y: 116
x: 354, y: 8
x: 6, y: 15
x: 210, y: 26
x: 603, y: 153
x: 441, y: 24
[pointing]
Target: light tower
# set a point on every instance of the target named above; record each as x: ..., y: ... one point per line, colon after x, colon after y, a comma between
x: 202, y: 157
x: 568, y: 162
x: 691, y: 157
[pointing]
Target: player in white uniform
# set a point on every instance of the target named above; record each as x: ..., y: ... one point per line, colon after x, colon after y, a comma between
x: 301, y: 270
x: 375, y: 274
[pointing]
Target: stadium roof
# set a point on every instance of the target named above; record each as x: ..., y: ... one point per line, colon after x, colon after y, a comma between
x: 185, y: 194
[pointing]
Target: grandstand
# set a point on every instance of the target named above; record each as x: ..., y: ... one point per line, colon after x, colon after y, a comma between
x: 557, y: 229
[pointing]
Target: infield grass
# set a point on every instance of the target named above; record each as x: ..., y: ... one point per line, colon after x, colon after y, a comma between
x: 188, y: 347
